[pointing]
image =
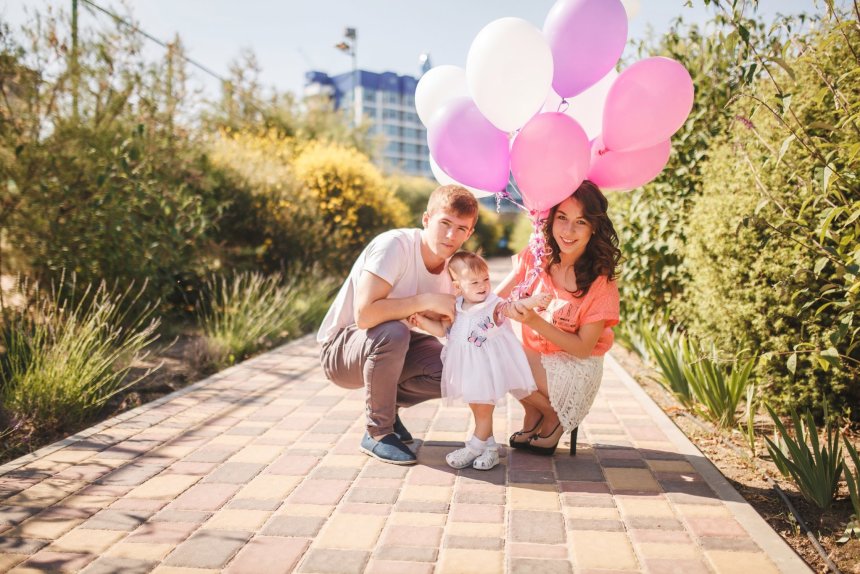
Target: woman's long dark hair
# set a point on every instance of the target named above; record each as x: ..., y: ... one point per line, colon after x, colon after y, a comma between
x: 602, y: 254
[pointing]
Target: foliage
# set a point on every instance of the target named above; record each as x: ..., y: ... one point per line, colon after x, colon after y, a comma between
x: 414, y: 193
x: 783, y: 183
x: 814, y: 468
x: 652, y: 221
x: 246, y: 312
x: 103, y: 182
x: 64, y: 359
x: 717, y: 390
x: 853, y: 479
x: 670, y: 350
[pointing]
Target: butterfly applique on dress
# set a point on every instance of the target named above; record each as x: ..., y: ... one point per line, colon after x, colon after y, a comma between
x: 486, y: 324
x: 477, y: 339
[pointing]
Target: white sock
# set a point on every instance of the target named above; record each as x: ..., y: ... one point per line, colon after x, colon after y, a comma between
x: 491, y: 443
x: 476, y: 445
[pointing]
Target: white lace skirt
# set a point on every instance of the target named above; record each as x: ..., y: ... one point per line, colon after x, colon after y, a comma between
x: 573, y: 385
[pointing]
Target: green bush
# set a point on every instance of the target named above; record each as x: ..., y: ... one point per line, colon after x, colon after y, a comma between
x: 718, y: 388
x: 772, y: 252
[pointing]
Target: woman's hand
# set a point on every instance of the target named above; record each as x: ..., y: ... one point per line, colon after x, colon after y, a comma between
x: 521, y: 313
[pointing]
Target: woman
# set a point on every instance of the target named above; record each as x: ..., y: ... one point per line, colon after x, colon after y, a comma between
x: 566, y: 342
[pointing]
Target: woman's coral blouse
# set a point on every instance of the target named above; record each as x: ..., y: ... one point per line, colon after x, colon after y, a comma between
x: 567, y: 312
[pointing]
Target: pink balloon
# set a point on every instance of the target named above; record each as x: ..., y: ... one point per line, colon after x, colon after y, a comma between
x: 586, y: 38
x: 626, y: 169
x: 468, y: 147
x: 549, y: 159
x: 646, y: 104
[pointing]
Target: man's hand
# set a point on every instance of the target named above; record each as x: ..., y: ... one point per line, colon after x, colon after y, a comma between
x: 439, y: 305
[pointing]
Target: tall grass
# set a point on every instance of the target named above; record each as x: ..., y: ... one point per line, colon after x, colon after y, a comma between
x: 814, y: 468
x: 669, y: 351
x: 246, y: 312
x: 718, y: 389
x: 63, y: 360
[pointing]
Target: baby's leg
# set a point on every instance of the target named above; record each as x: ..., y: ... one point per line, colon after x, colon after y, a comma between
x: 483, y: 420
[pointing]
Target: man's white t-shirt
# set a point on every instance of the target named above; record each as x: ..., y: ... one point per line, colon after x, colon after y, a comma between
x: 395, y: 257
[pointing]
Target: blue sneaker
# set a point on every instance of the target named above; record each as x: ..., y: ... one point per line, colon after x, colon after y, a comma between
x: 389, y: 449
x: 400, y: 430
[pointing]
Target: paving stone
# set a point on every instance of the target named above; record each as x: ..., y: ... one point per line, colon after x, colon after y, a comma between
x: 434, y: 506
x: 234, y: 473
x: 676, y: 566
x: 172, y: 515
x: 477, y: 542
x: 86, y: 541
x: 204, y: 497
x: 477, y: 497
x: 211, y: 454
x: 162, y: 532
x: 397, y: 567
x: 532, y: 476
x: 733, y: 544
x: 291, y: 464
x: 131, y: 474
x: 716, y: 527
x: 407, y: 553
x: 334, y: 473
x: 328, y: 561
x: 246, y: 520
x: 729, y: 562
x: 373, y: 495
x: 594, y: 524
x: 536, y: 526
x: 208, y: 549
x: 455, y: 560
x: 306, y: 526
x: 531, y: 566
x: 365, y: 508
x: 604, y: 550
x: 57, y: 561
x: 542, y: 551
x: 9, y: 545
x: 477, y: 513
x: 374, y: 469
x: 575, y: 470
x: 113, y: 565
x: 432, y: 476
x: 319, y: 491
x: 110, y: 519
x: 268, y: 554
x: 653, y: 523
x: 350, y: 531
x: 413, y: 536
x: 255, y: 503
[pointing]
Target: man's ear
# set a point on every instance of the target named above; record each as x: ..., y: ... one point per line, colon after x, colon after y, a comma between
x: 425, y: 218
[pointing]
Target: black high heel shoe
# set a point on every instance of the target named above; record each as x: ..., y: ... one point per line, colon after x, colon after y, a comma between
x: 525, y: 443
x: 546, y: 450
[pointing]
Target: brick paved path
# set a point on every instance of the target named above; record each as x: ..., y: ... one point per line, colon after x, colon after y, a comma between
x: 256, y: 469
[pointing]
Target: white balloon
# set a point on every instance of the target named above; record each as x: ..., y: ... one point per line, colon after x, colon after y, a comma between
x: 631, y: 7
x: 586, y: 107
x: 509, y: 72
x: 445, y: 179
x: 437, y: 87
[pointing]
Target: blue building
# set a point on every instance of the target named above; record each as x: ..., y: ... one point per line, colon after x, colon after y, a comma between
x: 387, y: 101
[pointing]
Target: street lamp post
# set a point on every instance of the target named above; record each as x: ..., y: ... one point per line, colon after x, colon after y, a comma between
x: 350, y: 46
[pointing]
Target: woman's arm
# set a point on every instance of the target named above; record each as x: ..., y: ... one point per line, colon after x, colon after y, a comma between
x: 579, y: 344
x: 504, y: 288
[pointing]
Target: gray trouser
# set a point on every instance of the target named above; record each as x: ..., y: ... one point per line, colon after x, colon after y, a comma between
x: 396, y: 366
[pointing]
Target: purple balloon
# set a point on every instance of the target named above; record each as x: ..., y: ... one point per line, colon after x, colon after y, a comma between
x: 586, y: 38
x: 646, y: 104
x: 626, y: 169
x: 468, y: 147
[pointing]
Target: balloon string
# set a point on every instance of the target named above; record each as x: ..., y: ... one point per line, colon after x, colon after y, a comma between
x: 563, y: 104
x: 536, y: 246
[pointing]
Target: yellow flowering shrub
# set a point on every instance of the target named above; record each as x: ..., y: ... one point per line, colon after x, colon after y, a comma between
x: 313, y: 203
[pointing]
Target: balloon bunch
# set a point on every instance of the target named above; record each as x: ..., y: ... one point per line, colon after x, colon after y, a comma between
x: 549, y: 108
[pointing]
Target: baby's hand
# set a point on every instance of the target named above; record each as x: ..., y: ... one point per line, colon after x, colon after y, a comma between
x: 413, y: 320
x: 536, y: 300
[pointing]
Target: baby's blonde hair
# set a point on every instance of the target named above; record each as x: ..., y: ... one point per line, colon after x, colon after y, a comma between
x: 466, y: 261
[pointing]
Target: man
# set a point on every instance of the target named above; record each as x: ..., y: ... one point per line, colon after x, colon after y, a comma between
x: 366, y: 343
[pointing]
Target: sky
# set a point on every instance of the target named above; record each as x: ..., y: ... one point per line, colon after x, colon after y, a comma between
x: 290, y: 37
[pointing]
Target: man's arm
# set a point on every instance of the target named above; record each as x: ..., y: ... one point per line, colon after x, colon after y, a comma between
x: 372, y: 305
